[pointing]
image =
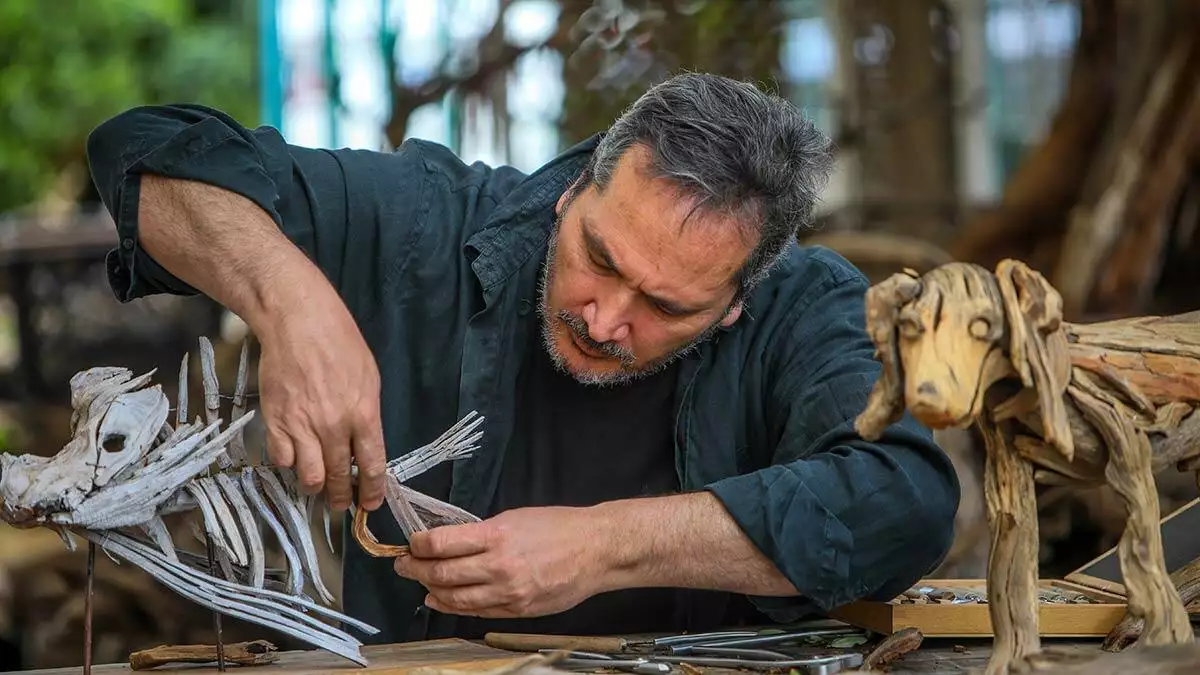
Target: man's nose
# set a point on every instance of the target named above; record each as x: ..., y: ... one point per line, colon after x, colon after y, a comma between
x: 606, y: 321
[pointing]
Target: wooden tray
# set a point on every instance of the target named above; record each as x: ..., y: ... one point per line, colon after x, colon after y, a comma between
x: 973, y: 619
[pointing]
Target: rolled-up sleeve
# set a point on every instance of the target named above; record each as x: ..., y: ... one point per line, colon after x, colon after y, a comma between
x: 842, y: 518
x: 349, y: 210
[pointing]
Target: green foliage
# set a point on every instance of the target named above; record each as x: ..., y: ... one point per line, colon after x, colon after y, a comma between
x: 70, y: 64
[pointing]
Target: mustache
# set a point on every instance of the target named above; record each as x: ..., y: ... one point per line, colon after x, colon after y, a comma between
x: 579, y: 327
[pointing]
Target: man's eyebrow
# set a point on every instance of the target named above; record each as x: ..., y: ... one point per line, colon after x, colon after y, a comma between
x: 596, y: 246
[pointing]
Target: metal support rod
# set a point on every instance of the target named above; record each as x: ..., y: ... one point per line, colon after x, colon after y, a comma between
x: 216, y: 614
x: 87, y: 609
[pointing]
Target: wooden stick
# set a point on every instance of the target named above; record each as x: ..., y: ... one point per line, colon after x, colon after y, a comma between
x: 87, y: 609
x: 220, y: 647
x: 893, y: 647
x: 532, y: 642
x: 1012, y: 564
x: 253, y: 653
x: 1140, y: 551
x: 369, y: 543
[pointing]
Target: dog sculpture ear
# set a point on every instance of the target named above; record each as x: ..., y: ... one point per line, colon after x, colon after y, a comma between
x: 1038, y: 346
x: 886, y: 401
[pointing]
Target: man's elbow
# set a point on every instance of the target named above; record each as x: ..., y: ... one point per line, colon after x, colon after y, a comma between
x: 923, y: 533
x: 105, y: 149
x: 936, y: 513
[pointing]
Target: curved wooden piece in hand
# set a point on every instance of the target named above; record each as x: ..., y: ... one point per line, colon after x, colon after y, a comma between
x: 368, y: 542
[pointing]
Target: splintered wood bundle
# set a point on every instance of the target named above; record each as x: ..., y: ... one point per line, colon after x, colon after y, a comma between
x: 126, y: 467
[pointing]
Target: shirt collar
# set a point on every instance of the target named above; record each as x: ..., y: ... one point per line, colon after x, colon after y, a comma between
x: 521, y: 223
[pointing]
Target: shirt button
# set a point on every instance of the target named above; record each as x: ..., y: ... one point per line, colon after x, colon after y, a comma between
x: 524, y: 307
x: 127, y: 243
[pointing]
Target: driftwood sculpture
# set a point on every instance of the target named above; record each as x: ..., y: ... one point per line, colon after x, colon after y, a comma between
x: 1057, y: 403
x: 127, y: 466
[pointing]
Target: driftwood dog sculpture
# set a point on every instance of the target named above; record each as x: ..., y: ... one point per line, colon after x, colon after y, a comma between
x: 1057, y: 403
x: 126, y: 467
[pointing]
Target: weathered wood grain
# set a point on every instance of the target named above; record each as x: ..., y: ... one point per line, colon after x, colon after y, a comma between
x: 1056, y: 403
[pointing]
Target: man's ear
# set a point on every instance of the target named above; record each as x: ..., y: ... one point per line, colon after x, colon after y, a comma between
x: 732, y: 316
x: 570, y: 193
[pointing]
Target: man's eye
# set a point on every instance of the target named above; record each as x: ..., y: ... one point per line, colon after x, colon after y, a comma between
x: 669, y: 311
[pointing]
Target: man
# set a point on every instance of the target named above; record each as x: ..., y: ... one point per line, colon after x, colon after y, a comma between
x: 669, y: 380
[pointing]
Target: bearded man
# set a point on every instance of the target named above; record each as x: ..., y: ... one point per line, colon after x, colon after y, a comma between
x: 669, y: 379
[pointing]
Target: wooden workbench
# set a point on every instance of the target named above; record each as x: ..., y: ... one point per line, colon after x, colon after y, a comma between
x: 454, y: 657
x: 414, y: 658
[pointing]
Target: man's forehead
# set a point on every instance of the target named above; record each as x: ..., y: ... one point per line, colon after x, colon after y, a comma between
x: 636, y: 191
x: 644, y: 236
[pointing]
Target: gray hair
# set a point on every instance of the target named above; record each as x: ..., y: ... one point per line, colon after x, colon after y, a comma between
x: 731, y: 148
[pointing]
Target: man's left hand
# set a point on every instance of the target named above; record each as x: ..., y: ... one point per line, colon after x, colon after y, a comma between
x: 520, y: 563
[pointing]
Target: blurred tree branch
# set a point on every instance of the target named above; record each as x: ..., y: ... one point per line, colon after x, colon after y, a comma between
x: 1095, y: 204
x: 495, y: 58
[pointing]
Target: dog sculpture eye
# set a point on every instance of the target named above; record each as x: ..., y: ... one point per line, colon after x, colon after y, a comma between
x: 980, y: 328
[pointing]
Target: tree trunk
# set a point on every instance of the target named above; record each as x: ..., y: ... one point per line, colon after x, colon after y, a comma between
x: 1048, y: 182
x: 900, y: 97
x: 1096, y: 205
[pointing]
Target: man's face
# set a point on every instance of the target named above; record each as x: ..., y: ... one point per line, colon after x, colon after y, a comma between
x: 628, y: 285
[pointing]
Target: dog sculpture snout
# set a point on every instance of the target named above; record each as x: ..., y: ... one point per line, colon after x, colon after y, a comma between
x: 945, y: 337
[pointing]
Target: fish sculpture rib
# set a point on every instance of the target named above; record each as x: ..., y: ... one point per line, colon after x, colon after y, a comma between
x: 127, y: 467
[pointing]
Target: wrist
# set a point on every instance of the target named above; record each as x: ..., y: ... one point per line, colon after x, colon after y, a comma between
x: 283, y: 288
x: 624, y: 547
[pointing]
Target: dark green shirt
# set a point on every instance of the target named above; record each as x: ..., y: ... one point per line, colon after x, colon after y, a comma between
x: 438, y: 262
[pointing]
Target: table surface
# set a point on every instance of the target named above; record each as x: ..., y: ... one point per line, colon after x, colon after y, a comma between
x: 452, y: 656
x: 449, y: 655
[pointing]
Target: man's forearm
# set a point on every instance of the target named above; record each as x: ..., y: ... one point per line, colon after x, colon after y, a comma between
x: 224, y: 245
x: 687, y: 541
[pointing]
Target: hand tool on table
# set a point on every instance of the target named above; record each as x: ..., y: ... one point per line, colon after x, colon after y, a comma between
x: 590, y: 661
x: 759, y: 640
x: 653, y: 664
x: 676, y: 644
x: 530, y: 642
x: 811, y: 665
x: 729, y: 649
x: 533, y: 642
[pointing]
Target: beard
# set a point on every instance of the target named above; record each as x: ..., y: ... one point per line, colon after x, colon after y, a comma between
x: 631, y: 370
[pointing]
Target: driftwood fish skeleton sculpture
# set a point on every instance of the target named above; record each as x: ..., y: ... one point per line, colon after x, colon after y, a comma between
x: 126, y: 467
x: 1057, y: 403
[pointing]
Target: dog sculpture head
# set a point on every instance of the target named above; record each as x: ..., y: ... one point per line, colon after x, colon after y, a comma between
x: 946, y: 337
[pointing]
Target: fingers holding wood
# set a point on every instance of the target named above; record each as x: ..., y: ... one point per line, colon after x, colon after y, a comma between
x: 369, y: 543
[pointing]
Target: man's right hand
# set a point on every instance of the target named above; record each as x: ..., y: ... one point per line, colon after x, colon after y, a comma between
x: 318, y: 382
x: 319, y: 396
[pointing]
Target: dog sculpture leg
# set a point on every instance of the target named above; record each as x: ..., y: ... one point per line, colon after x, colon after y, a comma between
x: 1012, y: 562
x: 1151, y: 595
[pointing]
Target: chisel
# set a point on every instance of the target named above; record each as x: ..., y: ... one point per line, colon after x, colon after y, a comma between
x: 532, y: 642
